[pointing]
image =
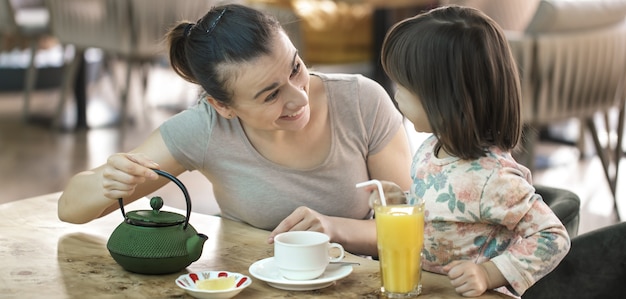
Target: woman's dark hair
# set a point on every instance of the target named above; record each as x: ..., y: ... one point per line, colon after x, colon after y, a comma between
x: 226, y: 34
x: 457, y: 61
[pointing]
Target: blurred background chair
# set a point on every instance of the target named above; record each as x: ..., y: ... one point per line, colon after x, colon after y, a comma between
x: 128, y: 30
x: 511, y: 15
x: 26, y: 20
x: 595, y: 267
x: 565, y: 204
x: 289, y: 20
x: 572, y: 57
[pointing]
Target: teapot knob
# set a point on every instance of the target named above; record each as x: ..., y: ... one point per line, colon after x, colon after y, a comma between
x: 156, y: 203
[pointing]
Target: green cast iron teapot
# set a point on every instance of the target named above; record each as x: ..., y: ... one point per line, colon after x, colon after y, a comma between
x: 154, y: 241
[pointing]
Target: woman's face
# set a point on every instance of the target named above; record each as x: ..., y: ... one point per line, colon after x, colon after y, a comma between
x: 411, y: 106
x: 271, y: 92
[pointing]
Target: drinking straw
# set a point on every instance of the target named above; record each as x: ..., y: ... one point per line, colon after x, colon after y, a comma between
x: 380, y: 189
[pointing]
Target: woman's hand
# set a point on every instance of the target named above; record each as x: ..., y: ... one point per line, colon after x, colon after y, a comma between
x: 355, y: 235
x: 123, y: 172
x: 93, y: 193
x: 302, y: 218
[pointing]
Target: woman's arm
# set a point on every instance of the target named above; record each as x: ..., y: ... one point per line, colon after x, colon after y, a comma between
x: 357, y: 236
x: 393, y: 163
x: 94, y: 193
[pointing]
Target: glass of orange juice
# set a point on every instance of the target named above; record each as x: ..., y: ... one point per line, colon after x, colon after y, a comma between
x: 400, y: 234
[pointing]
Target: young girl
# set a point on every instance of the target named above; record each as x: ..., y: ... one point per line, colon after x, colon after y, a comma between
x: 485, y: 226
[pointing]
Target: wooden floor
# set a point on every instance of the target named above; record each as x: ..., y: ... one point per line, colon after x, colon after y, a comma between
x: 35, y: 159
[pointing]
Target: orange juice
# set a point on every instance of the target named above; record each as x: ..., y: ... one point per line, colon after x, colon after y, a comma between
x: 400, y: 230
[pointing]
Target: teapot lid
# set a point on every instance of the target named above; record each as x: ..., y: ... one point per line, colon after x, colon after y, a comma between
x: 155, y: 217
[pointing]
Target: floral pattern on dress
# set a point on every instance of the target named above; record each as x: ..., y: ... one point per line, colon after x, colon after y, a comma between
x: 486, y: 210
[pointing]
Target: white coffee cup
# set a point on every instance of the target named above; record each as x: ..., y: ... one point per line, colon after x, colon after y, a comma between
x: 304, y: 255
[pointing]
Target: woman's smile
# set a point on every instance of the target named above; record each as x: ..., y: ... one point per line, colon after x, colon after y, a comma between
x: 296, y: 115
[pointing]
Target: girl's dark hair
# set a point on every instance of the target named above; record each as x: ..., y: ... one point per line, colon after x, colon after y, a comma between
x: 457, y: 61
x: 226, y: 34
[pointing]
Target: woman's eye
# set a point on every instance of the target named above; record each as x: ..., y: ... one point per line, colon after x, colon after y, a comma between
x: 296, y: 69
x: 272, y: 96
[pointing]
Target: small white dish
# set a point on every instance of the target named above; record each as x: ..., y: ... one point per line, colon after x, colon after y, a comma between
x: 266, y: 270
x: 187, y: 282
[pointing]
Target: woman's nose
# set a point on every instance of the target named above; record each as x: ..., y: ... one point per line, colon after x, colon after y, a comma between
x: 297, y: 97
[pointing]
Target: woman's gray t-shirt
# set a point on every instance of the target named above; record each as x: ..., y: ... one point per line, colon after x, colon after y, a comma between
x: 252, y: 189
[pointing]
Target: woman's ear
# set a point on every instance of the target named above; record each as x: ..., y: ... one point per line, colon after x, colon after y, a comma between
x: 224, y: 110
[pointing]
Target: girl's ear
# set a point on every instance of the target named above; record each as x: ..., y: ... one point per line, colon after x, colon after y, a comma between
x: 224, y: 110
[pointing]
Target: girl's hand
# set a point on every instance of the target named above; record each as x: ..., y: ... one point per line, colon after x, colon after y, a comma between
x: 123, y: 172
x: 302, y: 218
x: 467, y: 278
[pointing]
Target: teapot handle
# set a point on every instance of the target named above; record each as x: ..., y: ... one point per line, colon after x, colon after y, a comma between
x: 179, y: 184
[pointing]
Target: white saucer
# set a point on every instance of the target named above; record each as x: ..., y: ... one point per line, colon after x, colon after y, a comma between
x: 267, y: 271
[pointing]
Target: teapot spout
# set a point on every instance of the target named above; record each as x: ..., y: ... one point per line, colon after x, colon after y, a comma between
x: 194, y: 246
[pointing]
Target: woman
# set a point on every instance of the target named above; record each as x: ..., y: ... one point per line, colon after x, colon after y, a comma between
x: 282, y: 147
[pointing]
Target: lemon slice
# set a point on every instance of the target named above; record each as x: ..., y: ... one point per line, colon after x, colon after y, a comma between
x: 216, y: 284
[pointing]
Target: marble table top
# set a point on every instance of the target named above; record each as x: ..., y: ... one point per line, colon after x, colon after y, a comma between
x: 43, y: 257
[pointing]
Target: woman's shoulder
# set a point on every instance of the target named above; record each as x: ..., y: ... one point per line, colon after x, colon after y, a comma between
x: 200, y: 110
x: 198, y: 118
x: 189, y: 134
x: 353, y: 90
x: 344, y: 78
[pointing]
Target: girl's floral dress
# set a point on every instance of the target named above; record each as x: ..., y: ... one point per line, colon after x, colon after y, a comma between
x: 483, y: 210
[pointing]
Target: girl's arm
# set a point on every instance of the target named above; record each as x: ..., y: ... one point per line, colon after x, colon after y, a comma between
x: 544, y: 240
x: 509, y: 201
x: 472, y: 280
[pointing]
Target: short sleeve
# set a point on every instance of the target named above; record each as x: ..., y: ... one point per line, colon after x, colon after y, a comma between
x: 186, y: 135
x: 381, y: 118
